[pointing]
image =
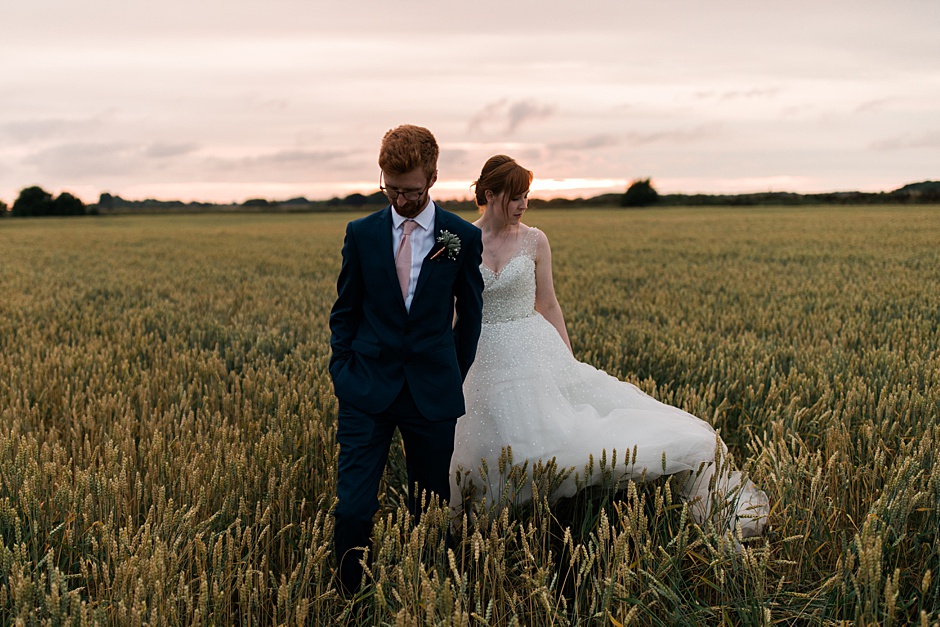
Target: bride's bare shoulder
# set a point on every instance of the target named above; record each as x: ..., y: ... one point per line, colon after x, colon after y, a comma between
x: 536, y: 233
x: 525, y: 231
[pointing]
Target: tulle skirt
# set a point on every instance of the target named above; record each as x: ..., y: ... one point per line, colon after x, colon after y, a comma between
x: 526, y: 391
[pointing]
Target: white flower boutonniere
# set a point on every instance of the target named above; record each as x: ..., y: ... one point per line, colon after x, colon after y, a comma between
x: 448, y: 243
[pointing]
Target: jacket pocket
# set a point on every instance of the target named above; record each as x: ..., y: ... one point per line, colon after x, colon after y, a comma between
x: 365, y: 348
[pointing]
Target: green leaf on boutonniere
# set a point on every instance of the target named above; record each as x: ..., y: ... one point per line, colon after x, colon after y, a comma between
x: 449, y: 243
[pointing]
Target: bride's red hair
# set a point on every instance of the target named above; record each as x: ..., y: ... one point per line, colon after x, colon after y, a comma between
x: 502, y: 174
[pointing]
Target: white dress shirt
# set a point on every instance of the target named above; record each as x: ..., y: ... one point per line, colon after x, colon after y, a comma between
x: 422, y: 240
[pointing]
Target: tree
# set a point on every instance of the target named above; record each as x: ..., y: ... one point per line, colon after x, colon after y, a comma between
x: 66, y: 204
x: 106, y: 201
x: 355, y: 200
x: 33, y: 201
x: 639, y: 194
x: 3, y: 209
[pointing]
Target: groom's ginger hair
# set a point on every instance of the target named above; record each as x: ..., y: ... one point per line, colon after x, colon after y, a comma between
x: 408, y: 147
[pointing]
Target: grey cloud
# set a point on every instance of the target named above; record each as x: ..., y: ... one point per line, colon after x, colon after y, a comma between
x: 928, y: 140
x: 586, y: 143
x: 452, y: 158
x: 526, y: 110
x: 284, y: 158
x: 303, y: 157
x: 30, y: 130
x: 735, y: 94
x: 873, y: 105
x: 490, y: 114
x: 678, y: 135
x: 802, y: 110
x: 86, y: 159
x: 274, y: 104
x: 81, y: 159
x: 287, y: 164
x: 507, y: 117
x: 766, y: 92
x: 162, y: 150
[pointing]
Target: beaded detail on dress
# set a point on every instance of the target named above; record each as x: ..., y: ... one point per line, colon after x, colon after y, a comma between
x: 510, y: 293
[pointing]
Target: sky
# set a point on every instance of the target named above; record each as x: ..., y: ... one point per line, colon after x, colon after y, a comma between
x: 226, y: 100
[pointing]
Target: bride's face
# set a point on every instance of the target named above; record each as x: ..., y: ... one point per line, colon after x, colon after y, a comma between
x: 512, y: 208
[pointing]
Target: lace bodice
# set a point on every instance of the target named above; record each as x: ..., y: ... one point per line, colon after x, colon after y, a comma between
x: 510, y: 293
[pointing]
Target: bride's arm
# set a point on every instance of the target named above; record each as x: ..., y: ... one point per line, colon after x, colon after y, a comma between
x: 546, y: 303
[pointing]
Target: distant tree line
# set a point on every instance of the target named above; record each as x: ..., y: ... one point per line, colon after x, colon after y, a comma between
x: 35, y: 201
x: 641, y: 194
x: 108, y: 203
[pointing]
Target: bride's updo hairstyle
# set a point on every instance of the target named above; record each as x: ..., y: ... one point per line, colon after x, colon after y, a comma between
x: 502, y: 174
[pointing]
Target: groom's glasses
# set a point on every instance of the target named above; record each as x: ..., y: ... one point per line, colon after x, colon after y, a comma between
x: 410, y: 195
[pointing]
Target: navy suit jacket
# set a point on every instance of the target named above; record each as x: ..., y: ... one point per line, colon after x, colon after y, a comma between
x: 378, y: 345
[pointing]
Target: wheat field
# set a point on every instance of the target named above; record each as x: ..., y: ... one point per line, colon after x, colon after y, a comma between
x: 167, y: 426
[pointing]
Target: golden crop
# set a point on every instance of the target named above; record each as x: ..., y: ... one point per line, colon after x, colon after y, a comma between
x: 167, y: 427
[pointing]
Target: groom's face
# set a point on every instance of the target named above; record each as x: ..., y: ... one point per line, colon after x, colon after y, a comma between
x: 408, y: 192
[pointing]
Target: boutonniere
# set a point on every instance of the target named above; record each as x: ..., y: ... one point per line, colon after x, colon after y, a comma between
x: 449, y: 243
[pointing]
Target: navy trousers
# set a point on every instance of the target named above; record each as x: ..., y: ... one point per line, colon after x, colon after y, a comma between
x: 364, y: 443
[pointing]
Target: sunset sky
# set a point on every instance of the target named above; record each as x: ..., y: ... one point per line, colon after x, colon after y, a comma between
x: 227, y: 100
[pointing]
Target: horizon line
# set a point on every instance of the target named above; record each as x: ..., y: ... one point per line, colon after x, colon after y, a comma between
x: 544, y: 189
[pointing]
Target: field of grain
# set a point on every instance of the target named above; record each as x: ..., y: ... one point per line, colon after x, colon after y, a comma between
x: 167, y: 426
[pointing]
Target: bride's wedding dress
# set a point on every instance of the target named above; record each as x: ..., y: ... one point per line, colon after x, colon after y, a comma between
x: 526, y: 391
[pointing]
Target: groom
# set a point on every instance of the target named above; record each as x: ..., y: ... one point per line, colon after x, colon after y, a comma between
x: 400, y: 354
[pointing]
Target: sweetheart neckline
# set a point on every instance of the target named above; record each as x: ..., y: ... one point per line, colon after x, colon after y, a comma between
x: 505, y: 265
x: 515, y: 255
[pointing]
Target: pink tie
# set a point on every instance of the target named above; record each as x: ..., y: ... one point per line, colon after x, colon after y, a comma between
x: 403, y: 256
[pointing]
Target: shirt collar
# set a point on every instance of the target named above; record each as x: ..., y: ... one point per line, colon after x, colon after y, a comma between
x: 425, y: 219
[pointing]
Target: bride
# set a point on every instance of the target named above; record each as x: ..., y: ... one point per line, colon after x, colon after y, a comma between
x: 526, y: 390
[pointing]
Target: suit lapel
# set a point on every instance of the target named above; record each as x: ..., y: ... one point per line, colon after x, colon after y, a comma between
x: 385, y: 252
x: 428, y: 266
